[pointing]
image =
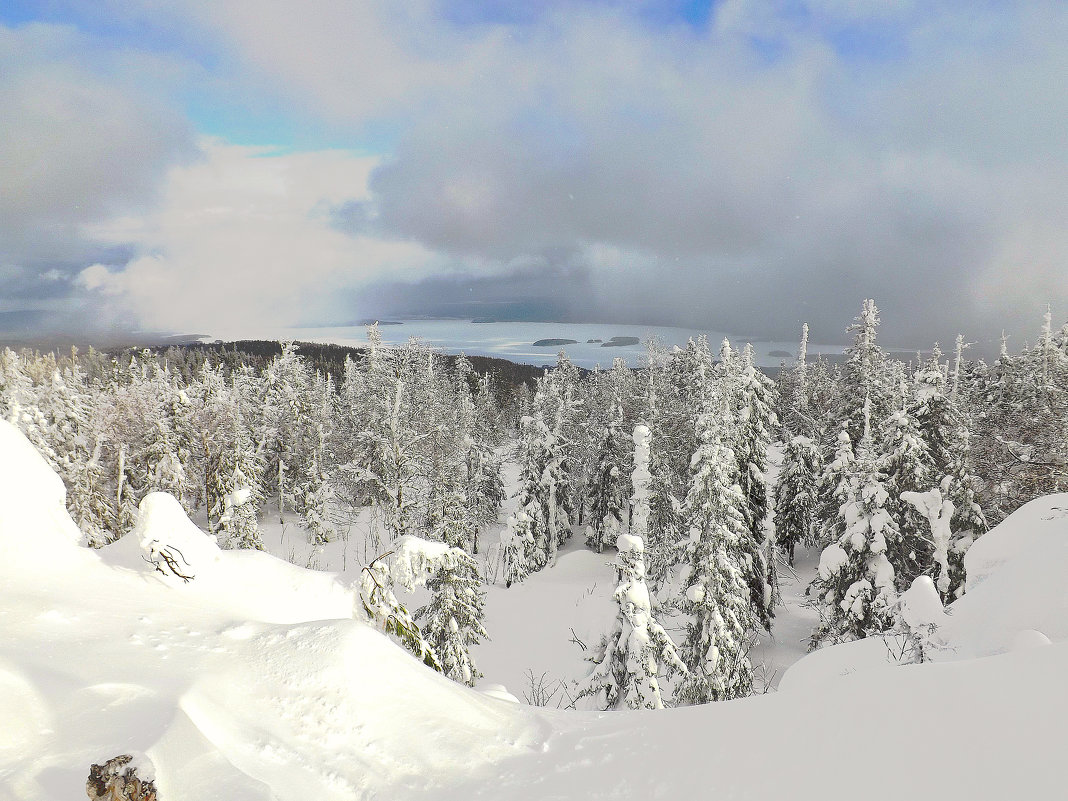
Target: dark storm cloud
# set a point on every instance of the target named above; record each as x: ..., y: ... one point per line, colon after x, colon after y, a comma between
x: 542, y: 291
x: 705, y: 186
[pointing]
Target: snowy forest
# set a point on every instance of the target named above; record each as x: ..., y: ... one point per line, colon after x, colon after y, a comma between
x: 890, y: 469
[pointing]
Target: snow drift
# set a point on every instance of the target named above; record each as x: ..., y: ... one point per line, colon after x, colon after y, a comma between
x: 256, y: 680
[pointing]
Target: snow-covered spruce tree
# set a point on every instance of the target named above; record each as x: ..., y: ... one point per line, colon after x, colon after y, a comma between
x: 478, y: 423
x: 560, y: 411
x: 794, y: 409
x: 15, y: 389
x: 608, y: 489
x: 172, y: 467
x: 384, y: 466
x: 89, y: 498
x: 688, y: 382
x: 938, y: 514
x: 659, y: 534
x: 523, y: 538
x: 919, y: 614
x: 717, y: 596
x: 19, y: 402
x: 795, y: 495
x: 641, y: 480
x: 314, y: 489
x: 77, y: 439
x: 542, y: 519
x: 232, y: 467
x: 412, y: 562
x: 663, y: 529
x: 143, y: 455
x: 854, y: 588
x: 629, y: 659
x: 483, y: 485
x: 907, y: 468
x: 942, y: 427
x: 864, y: 393
x: 409, y: 564
x: 452, y: 621
x: 517, y: 541
x: 755, y: 419
x: 865, y: 381
x: 235, y: 482
x: 286, y: 409
x: 823, y: 384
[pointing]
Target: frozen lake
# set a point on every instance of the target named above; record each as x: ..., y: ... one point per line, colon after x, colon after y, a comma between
x: 515, y: 340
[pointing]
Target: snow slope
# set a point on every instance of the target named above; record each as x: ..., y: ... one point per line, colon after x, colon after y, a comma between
x: 256, y: 680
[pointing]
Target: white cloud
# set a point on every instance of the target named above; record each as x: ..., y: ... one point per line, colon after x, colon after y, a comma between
x: 750, y: 168
x: 78, y: 143
x: 244, y: 237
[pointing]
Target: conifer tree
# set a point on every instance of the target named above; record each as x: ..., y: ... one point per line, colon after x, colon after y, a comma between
x: 14, y: 388
x: 608, y: 505
x: 235, y: 482
x: 854, y: 588
x: 314, y: 491
x: 689, y: 386
x: 452, y: 621
x: 384, y: 466
x: 477, y: 423
x: 717, y: 595
x: 524, y: 539
x: 286, y: 410
x: 755, y: 419
x: 942, y: 428
x: 795, y: 496
x: 865, y: 383
x: 629, y: 659
x: 907, y: 468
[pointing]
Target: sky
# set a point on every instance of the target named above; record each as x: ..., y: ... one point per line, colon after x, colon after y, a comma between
x: 741, y: 165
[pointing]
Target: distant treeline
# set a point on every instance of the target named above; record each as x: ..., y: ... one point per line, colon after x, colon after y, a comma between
x: 330, y: 360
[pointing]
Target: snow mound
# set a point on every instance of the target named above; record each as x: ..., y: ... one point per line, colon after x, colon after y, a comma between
x: 32, y: 501
x: 171, y: 541
x: 24, y: 716
x: 1028, y: 528
x: 252, y: 681
x: 1016, y: 573
x: 920, y: 604
x: 1029, y: 638
x: 1020, y: 570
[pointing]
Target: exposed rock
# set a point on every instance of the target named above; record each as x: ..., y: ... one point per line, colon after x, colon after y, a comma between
x: 118, y: 780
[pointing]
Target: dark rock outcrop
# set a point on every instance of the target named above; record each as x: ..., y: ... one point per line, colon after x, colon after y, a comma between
x: 117, y: 780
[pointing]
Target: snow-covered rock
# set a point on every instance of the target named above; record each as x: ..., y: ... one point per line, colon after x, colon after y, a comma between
x: 171, y: 542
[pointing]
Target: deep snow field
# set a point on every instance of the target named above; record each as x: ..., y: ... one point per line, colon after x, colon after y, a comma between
x: 257, y: 679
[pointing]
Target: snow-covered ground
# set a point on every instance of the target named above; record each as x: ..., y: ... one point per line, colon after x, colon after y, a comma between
x: 256, y: 680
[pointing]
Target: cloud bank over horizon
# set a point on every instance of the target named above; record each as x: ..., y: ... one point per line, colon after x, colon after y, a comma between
x: 738, y: 165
